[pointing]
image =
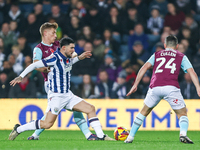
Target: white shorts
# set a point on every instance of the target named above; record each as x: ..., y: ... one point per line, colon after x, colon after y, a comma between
x: 58, y: 101
x: 171, y: 94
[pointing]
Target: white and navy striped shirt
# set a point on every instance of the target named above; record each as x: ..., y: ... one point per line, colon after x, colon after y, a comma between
x: 59, y: 76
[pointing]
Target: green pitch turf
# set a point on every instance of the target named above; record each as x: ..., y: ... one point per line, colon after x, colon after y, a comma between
x: 74, y: 140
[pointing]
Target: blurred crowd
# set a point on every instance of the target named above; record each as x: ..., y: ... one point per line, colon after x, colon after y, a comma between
x: 122, y: 35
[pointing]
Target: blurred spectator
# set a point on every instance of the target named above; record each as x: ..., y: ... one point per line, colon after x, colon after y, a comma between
x: 113, y: 21
x: 182, y: 49
x: 183, y: 5
x: 87, y: 34
x: 46, y: 6
x: 140, y: 6
x: 24, y: 48
x: 187, y: 88
x: 120, y: 5
x: 82, y: 10
x: 196, y: 10
x: 174, y: 18
x: 80, y: 45
x: 38, y: 11
x: 13, y: 28
x: 154, y: 25
x: 94, y: 20
x: 130, y: 21
x: 4, y: 85
x: 57, y: 15
x: 2, y: 56
x: 103, y: 89
x: 162, y: 4
x: 138, y: 35
x: 17, y: 67
x: 99, y: 47
x: 103, y: 6
x: 192, y: 24
x: 32, y: 31
x: 87, y: 66
x: 138, y: 55
x: 155, y: 22
x: 121, y: 87
x: 185, y: 33
x: 7, y: 68
x: 74, y: 28
x: 110, y: 42
x: 4, y: 8
x: 15, y: 14
x: 129, y: 71
x: 7, y: 36
x: 64, y: 6
x: 86, y: 88
x: 25, y: 89
x: 19, y: 57
x: 110, y: 66
x: 157, y: 47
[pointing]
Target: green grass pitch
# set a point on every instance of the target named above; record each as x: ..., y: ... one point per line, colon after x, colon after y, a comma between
x: 74, y: 140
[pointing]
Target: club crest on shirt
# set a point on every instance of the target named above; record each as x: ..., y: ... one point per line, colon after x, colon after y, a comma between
x: 46, y: 52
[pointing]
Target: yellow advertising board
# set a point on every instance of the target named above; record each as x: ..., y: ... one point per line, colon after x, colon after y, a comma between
x: 111, y: 113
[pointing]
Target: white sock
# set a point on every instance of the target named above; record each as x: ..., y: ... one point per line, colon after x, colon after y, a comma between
x: 95, y: 124
x: 33, y: 125
x: 130, y: 138
x: 35, y: 135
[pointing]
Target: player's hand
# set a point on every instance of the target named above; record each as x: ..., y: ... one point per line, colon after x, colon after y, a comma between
x: 16, y: 80
x: 84, y: 55
x: 132, y: 90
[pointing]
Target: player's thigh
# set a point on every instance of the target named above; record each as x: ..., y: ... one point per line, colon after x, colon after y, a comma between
x: 84, y: 107
x: 153, y: 97
x: 78, y: 104
x: 174, y: 98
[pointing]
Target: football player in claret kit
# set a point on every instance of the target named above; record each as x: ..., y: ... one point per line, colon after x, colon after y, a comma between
x: 164, y: 85
x: 59, y: 93
x: 41, y: 51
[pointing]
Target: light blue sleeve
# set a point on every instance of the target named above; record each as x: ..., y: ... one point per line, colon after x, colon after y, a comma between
x: 185, y: 64
x: 37, y: 54
x: 152, y: 59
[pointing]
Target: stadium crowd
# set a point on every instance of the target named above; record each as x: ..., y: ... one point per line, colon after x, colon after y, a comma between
x: 122, y: 35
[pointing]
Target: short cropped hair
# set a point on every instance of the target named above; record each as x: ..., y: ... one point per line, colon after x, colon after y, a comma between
x: 66, y: 41
x: 48, y: 25
x: 171, y: 41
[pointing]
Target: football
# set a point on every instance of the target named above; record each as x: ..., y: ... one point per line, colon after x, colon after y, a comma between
x: 121, y: 133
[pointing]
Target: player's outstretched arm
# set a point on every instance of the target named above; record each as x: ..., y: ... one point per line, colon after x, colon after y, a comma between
x: 195, y: 79
x: 140, y: 74
x: 84, y: 55
x: 30, y: 68
x: 43, y: 69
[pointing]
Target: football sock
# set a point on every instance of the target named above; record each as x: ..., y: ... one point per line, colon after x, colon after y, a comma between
x: 136, y: 125
x: 82, y: 124
x: 96, y: 125
x: 39, y: 131
x: 35, y: 124
x: 183, y: 123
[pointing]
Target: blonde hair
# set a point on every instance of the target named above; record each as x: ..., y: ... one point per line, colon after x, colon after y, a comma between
x: 48, y: 25
x: 16, y: 46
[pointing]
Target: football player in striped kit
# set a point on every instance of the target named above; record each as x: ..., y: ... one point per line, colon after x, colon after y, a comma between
x: 59, y: 94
